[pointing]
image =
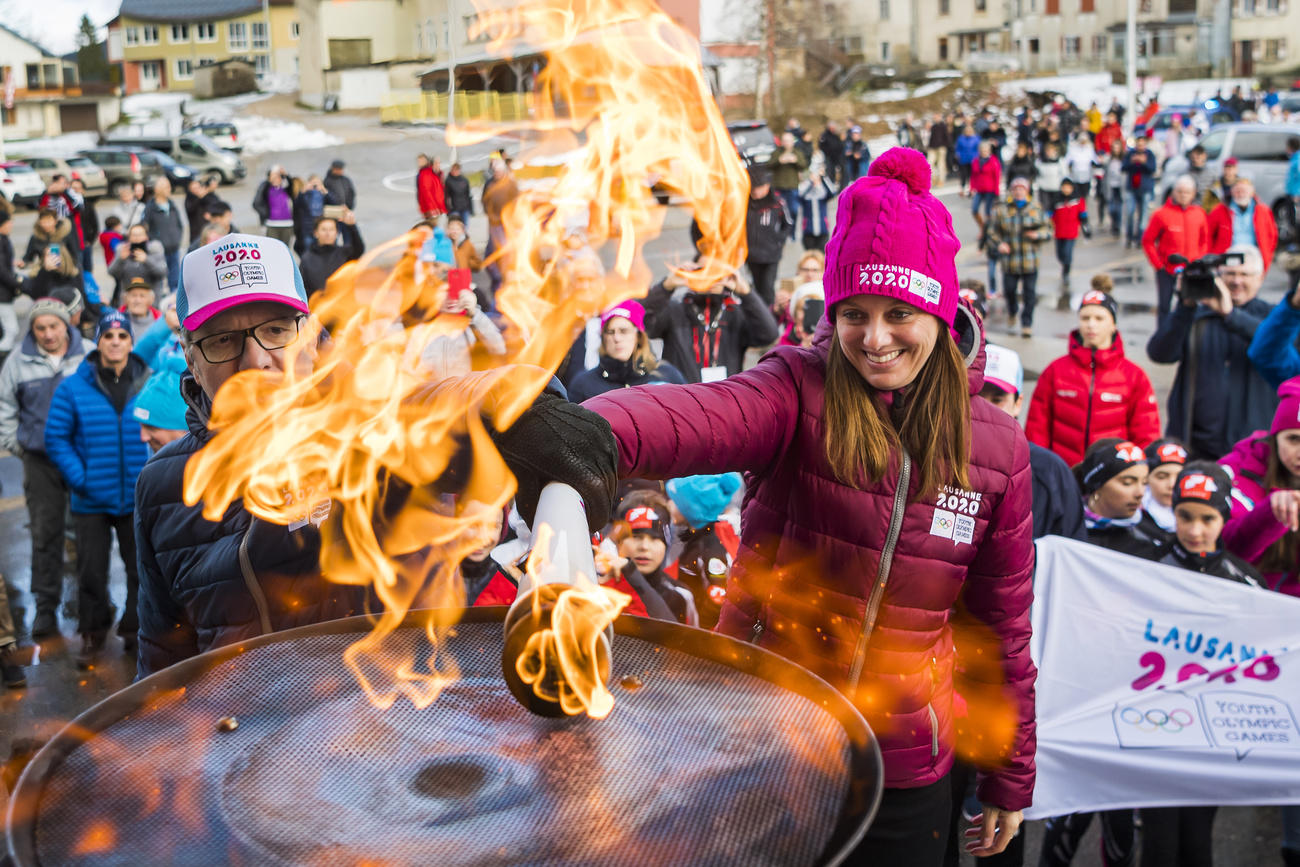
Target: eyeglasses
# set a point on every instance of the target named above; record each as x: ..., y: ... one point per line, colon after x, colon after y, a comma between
x: 228, y: 345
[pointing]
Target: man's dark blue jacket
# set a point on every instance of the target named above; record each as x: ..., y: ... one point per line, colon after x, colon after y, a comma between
x: 229, y: 580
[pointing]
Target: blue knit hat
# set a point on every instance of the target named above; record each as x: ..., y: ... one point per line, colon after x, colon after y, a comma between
x: 113, y: 319
x: 703, y: 499
x: 159, y: 404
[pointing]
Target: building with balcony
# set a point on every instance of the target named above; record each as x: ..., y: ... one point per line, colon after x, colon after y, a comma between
x: 49, y: 99
x: 160, y: 43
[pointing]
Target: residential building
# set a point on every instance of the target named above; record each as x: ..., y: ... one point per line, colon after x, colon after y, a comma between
x: 355, y: 52
x: 161, y: 42
x: 1265, y: 36
x: 48, y: 97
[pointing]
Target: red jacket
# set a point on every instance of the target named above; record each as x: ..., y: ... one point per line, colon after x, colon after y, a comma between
x: 811, y: 553
x: 1086, y: 395
x: 1175, y: 229
x: 1220, y: 221
x: 1109, y: 132
x: 985, y: 175
x: 1066, y: 218
x: 428, y: 191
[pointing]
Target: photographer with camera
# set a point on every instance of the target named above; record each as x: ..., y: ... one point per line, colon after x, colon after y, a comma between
x: 1178, y: 228
x: 705, y: 334
x: 1218, y: 396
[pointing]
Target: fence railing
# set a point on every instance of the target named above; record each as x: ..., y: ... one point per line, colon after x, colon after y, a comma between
x: 415, y: 106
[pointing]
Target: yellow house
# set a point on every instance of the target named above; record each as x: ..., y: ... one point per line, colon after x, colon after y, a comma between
x: 161, y: 42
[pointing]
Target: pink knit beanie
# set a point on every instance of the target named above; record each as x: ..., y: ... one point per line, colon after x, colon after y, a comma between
x: 893, y: 238
x: 1288, y: 407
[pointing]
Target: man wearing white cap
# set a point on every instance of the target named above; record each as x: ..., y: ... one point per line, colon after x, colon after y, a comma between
x: 241, y: 302
x: 1058, y: 510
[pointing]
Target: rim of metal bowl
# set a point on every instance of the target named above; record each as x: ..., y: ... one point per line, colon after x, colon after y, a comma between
x: 866, y: 769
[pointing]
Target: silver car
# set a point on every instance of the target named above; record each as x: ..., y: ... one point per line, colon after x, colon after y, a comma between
x: 93, y: 177
x: 1261, y: 155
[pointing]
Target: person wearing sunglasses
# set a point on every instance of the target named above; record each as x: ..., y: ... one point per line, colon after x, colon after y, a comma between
x: 242, y: 306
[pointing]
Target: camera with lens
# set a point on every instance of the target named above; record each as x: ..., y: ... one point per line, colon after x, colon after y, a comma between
x: 1198, y: 276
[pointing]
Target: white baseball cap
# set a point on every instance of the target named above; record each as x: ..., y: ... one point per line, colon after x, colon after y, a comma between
x: 237, y: 269
x: 1003, y: 369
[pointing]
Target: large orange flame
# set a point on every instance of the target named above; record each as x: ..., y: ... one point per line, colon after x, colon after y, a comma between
x: 365, y: 428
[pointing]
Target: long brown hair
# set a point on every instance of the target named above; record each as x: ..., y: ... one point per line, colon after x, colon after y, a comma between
x: 1281, y: 555
x: 931, y: 421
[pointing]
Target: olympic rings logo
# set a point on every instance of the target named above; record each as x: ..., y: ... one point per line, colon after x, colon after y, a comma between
x: 1156, y: 719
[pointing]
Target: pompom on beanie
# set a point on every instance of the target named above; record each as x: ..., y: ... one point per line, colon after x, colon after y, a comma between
x: 893, y: 238
x: 703, y: 499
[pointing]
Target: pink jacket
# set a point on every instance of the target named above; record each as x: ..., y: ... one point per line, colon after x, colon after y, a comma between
x: 813, y: 551
x: 1252, y: 529
x: 985, y: 175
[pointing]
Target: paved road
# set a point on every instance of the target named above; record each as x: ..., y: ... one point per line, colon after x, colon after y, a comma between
x: 383, y: 171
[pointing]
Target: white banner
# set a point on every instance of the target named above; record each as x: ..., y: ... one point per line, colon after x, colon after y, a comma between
x: 1160, y: 687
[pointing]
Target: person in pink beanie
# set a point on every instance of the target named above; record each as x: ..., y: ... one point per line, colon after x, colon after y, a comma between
x: 1265, y: 525
x: 881, y: 494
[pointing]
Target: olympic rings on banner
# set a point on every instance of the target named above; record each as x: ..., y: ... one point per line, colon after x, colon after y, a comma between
x: 1156, y: 719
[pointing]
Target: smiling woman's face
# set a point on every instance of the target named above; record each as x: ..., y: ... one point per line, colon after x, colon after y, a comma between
x: 887, y: 341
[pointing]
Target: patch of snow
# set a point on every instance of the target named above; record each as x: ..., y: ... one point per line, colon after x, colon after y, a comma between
x: 56, y: 146
x: 889, y: 94
x: 1086, y: 88
x: 930, y: 87
x: 223, y: 108
x: 1198, y: 89
x: 261, y: 135
x: 1082, y: 89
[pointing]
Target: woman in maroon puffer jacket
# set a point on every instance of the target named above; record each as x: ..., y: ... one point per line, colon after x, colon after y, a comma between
x: 1092, y: 392
x: 882, y: 496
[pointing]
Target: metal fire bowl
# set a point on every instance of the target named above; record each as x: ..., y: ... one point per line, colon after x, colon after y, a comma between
x: 716, y: 753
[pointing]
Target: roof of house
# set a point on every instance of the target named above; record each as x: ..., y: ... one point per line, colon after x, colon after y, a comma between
x: 192, y: 10
x: 32, y: 42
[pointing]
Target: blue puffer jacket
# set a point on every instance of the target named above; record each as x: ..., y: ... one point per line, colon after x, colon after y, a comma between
x: 1273, y: 350
x: 97, y: 449
x: 205, y: 584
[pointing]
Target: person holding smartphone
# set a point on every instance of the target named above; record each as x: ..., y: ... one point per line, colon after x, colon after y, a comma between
x: 706, y: 333
x: 335, y: 241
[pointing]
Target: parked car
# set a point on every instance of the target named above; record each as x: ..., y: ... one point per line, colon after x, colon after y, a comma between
x: 195, y: 150
x: 1212, y: 110
x: 47, y: 167
x: 20, y: 184
x: 126, y: 165
x: 178, y: 173
x: 753, y: 140
x: 223, y: 132
x: 91, y: 175
x: 1261, y: 155
x: 121, y: 166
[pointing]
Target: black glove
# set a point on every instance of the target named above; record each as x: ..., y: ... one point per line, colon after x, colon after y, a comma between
x: 557, y: 441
